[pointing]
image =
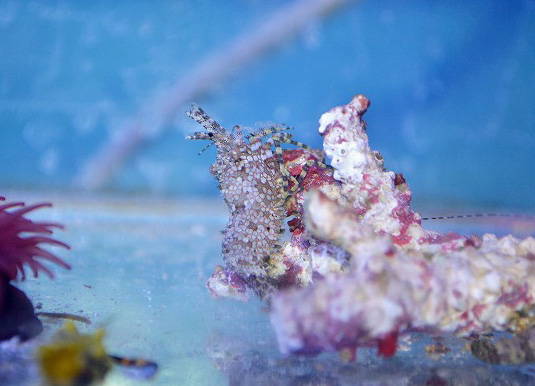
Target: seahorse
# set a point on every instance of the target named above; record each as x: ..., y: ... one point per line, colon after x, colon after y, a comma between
x: 262, y: 185
x: 252, y: 180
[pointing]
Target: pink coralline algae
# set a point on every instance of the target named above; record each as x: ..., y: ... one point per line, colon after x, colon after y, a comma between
x: 401, y: 277
x: 227, y: 283
x: 389, y: 290
x: 381, y: 198
x: 358, y: 269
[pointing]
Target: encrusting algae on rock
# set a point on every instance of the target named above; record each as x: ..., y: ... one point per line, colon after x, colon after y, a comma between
x: 358, y: 269
x: 389, y: 290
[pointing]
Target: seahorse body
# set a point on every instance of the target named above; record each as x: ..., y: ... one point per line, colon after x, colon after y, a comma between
x: 251, y: 183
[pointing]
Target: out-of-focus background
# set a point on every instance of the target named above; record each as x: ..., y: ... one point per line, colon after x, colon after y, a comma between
x: 92, y: 103
x: 93, y: 94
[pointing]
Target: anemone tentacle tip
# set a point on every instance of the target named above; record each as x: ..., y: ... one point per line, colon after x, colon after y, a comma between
x: 21, y: 241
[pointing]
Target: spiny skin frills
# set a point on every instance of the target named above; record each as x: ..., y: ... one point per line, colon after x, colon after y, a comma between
x: 262, y: 185
x: 250, y: 181
x: 252, y: 191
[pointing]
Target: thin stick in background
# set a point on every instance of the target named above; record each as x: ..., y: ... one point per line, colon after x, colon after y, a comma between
x: 214, y: 69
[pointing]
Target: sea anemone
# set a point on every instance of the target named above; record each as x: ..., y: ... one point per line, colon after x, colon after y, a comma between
x: 21, y: 240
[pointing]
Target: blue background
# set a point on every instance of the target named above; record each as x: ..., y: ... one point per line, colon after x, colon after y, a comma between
x: 452, y: 86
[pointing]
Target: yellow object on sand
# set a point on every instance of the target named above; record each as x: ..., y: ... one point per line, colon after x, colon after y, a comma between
x: 73, y: 358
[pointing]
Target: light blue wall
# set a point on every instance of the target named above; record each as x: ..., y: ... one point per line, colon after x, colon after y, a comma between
x: 452, y: 86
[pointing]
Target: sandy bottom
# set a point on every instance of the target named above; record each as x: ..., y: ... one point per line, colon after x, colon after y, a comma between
x: 139, y: 271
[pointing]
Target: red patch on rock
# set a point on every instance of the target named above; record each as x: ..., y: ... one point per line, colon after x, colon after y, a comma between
x: 317, y: 177
x: 388, y: 345
x: 406, y: 217
x: 364, y: 102
x: 296, y: 225
x: 290, y: 276
x: 398, y: 179
x: 292, y: 155
x: 516, y: 296
x: 438, y: 238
